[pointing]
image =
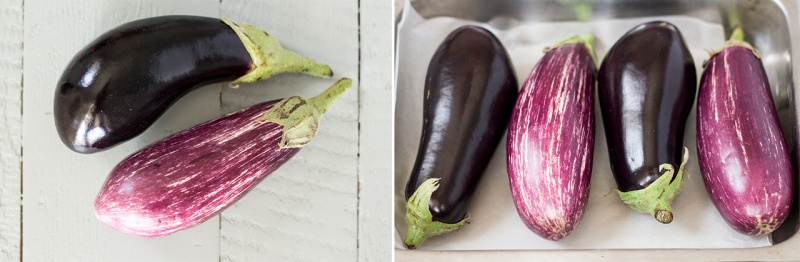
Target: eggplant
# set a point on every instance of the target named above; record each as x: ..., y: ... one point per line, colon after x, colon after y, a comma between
x: 470, y: 89
x: 646, y: 87
x: 744, y: 159
x: 551, y: 139
x: 119, y: 84
x: 189, y: 177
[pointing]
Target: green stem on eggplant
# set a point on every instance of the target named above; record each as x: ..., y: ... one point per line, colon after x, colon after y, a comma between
x: 584, y: 39
x: 656, y: 198
x: 270, y: 58
x: 736, y: 39
x: 731, y: 15
x: 300, y: 116
x: 419, y: 218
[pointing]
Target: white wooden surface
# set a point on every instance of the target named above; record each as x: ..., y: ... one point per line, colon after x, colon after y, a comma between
x: 311, y: 202
x: 10, y: 124
x: 310, y: 209
x: 375, y: 205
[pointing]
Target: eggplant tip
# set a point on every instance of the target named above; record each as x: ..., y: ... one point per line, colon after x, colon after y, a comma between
x: 137, y: 225
x: 83, y: 149
x: 765, y: 228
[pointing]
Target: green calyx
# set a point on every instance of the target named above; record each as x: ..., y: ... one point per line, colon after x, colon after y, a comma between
x: 736, y: 39
x: 269, y: 57
x: 584, y: 39
x: 656, y: 198
x: 300, y: 116
x: 737, y: 35
x: 419, y: 218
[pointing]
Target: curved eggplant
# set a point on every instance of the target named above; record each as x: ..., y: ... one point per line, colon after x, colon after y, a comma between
x: 551, y: 139
x: 646, y: 88
x: 119, y: 84
x: 187, y: 178
x: 743, y: 157
x: 470, y: 91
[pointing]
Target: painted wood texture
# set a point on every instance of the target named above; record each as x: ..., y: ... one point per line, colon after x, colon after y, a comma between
x: 375, y: 206
x: 10, y: 128
x: 312, y: 199
x: 307, y: 210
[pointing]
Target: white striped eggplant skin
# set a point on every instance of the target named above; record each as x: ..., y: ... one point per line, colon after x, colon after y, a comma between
x: 187, y: 178
x: 743, y: 157
x: 551, y: 140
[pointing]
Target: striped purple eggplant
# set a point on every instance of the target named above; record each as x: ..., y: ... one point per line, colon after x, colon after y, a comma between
x: 551, y: 139
x: 743, y: 156
x: 187, y: 178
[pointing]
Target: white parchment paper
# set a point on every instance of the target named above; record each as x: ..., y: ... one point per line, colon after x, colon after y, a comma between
x: 607, y: 223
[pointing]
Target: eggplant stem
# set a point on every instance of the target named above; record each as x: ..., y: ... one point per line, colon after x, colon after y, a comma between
x: 419, y: 218
x: 586, y: 40
x: 732, y: 15
x: 656, y: 198
x: 737, y: 34
x: 300, y: 116
x: 328, y: 97
x: 736, y: 39
x: 270, y: 58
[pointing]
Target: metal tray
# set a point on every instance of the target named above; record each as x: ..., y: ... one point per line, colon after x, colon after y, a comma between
x: 771, y: 26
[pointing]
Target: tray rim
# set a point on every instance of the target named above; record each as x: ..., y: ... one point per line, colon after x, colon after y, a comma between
x: 783, y: 251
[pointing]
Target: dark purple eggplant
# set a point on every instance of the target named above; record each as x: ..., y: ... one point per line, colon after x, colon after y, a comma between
x: 187, y: 178
x: 470, y: 91
x: 646, y: 88
x: 119, y: 84
x: 551, y: 139
x: 743, y: 157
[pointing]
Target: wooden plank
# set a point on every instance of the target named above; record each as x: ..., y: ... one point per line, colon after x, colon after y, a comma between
x: 10, y: 129
x: 59, y: 185
x: 307, y: 209
x: 375, y: 100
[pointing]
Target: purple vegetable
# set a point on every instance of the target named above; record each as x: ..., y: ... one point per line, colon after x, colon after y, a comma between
x: 120, y: 83
x: 743, y: 156
x: 551, y: 139
x: 187, y: 178
x: 470, y: 90
x: 646, y: 87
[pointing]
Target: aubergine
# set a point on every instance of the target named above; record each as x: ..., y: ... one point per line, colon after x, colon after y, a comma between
x: 743, y: 157
x: 119, y: 84
x: 470, y: 89
x: 551, y: 139
x: 646, y: 88
x: 185, y: 179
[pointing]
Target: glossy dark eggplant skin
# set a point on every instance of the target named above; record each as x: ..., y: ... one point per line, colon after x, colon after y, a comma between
x: 470, y: 91
x: 118, y: 85
x: 646, y: 89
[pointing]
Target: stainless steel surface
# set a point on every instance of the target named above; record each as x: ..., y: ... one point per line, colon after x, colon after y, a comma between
x: 555, y: 10
x: 770, y: 25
